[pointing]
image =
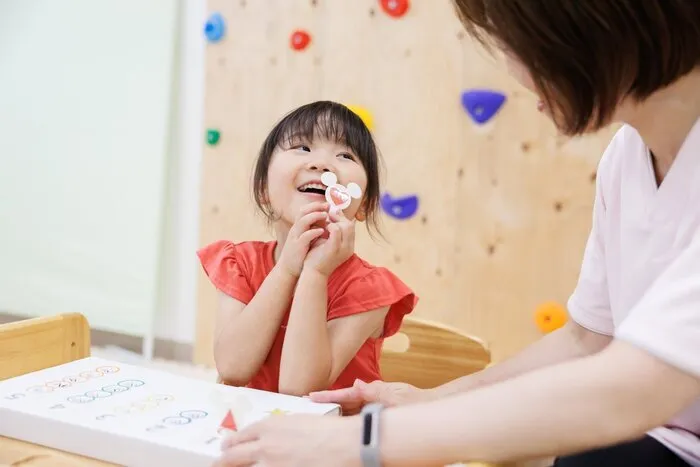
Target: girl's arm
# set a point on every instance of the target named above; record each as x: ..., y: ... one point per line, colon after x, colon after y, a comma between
x: 607, y: 398
x: 316, y: 351
x: 244, y: 334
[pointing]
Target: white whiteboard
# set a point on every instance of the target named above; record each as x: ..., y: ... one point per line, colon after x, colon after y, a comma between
x: 85, y: 93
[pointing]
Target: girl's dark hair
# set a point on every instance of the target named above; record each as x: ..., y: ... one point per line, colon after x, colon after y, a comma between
x: 331, y: 121
x: 584, y: 56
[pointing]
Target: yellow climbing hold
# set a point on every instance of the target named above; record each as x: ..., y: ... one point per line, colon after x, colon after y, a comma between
x: 278, y: 412
x: 550, y: 316
x: 364, y: 114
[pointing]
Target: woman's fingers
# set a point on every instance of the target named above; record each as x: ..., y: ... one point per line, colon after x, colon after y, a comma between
x: 338, y: 396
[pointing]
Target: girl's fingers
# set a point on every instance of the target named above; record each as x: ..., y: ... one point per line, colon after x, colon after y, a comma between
x: 335, y: 237
x: 312, y: 207
x: 337, y: 216
x: 310, y: 235
x: 347, y: 228
x: 306, y: 221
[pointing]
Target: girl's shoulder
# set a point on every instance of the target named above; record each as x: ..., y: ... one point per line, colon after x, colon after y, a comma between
x: 356, y: 269
x: 244, y: 253
x: 358, y: 286
x: 233, y: 267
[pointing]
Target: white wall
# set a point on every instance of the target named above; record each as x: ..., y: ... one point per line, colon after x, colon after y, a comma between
x: 91, y: 99
x: 177, y: 314
x: 85, y: 103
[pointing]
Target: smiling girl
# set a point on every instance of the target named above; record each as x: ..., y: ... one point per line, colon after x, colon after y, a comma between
x: 303, y: 313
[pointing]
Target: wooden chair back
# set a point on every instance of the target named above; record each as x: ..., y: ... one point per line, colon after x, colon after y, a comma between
x: 427, y: 354
x: 38, y: 343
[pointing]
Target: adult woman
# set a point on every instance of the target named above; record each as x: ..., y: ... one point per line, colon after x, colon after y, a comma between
x: 619, y: 385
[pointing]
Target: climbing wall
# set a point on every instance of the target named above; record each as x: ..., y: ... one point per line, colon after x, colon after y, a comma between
x: 487, y: 209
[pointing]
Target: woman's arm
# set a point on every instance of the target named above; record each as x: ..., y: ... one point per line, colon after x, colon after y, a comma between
x: 316, y: 351
x: 606, y: 398
x: 244, y: 334
x: 569, y: 342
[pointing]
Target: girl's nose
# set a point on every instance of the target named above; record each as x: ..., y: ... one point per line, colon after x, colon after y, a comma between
x: 318, y: 166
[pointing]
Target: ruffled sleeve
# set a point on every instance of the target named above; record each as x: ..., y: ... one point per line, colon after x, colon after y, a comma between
x: 224, y: 269
x: 377, y: 289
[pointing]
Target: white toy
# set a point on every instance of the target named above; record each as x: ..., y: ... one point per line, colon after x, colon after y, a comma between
x: 337, y: 195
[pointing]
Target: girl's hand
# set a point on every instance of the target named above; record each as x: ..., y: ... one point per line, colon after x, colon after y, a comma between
x: 327, y: 254
x: 304, y: 231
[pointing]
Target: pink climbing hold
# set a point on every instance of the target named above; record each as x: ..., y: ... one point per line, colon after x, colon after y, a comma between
x: 395, y: 8
x: 300, y: 40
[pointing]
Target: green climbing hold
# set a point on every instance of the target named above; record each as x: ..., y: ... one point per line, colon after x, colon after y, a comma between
x: 213, y: 136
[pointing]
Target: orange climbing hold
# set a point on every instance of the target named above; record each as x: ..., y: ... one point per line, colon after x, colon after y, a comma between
x: 395, y: 8
x: 300, y: 40
x: 550, y: 316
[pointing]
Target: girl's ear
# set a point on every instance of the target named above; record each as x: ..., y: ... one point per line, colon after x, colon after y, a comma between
x: 361, y: 214
x: 264, y: 197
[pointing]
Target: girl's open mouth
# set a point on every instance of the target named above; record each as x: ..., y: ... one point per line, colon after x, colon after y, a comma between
x: 313, y: 188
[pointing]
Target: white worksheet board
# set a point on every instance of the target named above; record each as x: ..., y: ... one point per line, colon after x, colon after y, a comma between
x: 133, y: 416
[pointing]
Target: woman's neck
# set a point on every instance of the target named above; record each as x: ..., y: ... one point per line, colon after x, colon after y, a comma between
x: 665, y: 119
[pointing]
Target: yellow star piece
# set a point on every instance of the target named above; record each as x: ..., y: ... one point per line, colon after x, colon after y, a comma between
x: 278, y: 412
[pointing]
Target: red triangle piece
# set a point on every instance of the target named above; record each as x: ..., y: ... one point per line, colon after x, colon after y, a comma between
x: 229, y: 423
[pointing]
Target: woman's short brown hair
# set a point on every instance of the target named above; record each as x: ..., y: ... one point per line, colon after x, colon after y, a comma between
x: 584, y: 56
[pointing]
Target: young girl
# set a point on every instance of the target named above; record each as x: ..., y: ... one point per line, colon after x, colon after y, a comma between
x: 303, y: 312
x: 619, y: 385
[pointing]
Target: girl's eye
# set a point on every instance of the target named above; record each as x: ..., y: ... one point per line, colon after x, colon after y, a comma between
x: 304, y: 148
x: 347, y: 156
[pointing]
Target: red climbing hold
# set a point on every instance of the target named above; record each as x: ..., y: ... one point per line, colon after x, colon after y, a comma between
x: 300, y: 39
x: 395, y: 8
x: 229, y: 423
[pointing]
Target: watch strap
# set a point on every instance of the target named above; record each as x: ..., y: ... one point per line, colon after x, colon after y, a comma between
x: 369, y: 453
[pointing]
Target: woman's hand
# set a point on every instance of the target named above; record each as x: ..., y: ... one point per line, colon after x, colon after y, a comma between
x: 304, y: 231
x: 352, y: 399
x: 295, y: 441
x: 327, y: 254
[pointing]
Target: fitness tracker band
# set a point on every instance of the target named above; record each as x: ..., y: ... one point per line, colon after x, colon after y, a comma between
x: 370, y: 435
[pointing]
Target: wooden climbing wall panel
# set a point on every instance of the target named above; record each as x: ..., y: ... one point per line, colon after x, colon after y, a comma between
x: 505, y: 207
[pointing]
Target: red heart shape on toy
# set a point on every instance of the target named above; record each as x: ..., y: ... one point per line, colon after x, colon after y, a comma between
x: 339, y: 198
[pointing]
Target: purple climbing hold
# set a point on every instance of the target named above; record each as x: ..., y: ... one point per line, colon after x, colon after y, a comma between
x: 399, y: 208
x: 482, y: 104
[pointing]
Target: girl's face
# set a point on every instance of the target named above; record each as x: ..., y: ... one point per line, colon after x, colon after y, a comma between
x: 294, y: 176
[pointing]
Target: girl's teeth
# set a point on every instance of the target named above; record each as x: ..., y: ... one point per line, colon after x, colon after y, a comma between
x: 312, y: 185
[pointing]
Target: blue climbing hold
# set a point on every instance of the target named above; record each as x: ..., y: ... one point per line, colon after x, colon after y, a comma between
x: 215, y: 27
x: 399, y: 208
x: 482, y: 104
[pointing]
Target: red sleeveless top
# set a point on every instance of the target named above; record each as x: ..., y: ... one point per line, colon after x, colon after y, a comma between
x: 238, y: 270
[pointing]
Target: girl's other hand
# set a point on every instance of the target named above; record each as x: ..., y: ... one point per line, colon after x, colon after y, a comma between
x: 327, y: 254
x: 304, y: 231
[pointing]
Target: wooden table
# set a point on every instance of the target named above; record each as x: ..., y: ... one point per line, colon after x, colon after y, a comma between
x: 18, y: 453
